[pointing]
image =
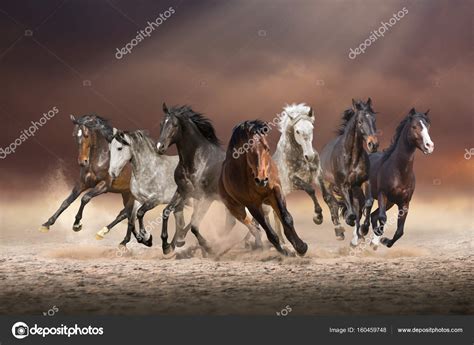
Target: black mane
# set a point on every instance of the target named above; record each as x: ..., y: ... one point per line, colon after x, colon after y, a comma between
x: 346, y: 117
x: 398, y: 132
x: 202, y: 123
x: 96, y: 122
x: 246, y: 130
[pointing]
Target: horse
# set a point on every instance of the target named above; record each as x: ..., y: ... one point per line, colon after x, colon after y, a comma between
x: 251, y: 179
x: 345, y: 165
x: 297, y: 161
x: 197, y: 172
x: 392, y: 177
x: 92, y: 134
x: 152, y: 176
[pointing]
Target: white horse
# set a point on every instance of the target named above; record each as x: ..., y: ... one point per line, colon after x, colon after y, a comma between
x: 152, y: 182
x: 298, y: 162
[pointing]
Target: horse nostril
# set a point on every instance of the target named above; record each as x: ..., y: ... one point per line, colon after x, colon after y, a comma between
x: 257, y: 180
x: 265, y: 179
x: 306, y: 157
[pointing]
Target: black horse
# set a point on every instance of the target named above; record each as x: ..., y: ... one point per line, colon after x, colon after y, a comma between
x: 392, y: 178
x: 345, y: 165
x: 198, y: 170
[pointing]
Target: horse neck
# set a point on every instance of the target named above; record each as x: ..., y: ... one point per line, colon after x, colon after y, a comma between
x: 353, y: 141
x: 189, y: 143
x: 404, y: 153
x: 99, y: 148
x: 143, y: 159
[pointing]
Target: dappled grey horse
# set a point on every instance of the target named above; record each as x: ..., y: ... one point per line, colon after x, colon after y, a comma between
x: 152, y: 182
x: 297, y: 160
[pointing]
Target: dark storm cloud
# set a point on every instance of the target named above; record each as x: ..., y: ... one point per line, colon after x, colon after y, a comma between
x: 233, y: 60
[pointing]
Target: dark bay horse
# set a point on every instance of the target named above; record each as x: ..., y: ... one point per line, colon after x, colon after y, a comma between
x: 197, y: 172
x: 345, y: 165
x: 251, y: 180
x: 392, y: 178
x: 92, y: 134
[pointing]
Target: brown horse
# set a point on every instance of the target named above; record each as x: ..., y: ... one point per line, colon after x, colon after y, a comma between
x: 92, y: 134
x: 251, y: 180
x: 392, y: 178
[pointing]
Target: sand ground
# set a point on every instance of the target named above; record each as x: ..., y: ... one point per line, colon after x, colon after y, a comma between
x: 429, y: 271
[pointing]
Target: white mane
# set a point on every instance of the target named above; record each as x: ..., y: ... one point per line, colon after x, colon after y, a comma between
x: 291, y: 112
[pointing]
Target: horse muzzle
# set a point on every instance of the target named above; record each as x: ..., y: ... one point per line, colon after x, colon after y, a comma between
x: 161, y: 148
x: 372, y: 143
x: 261, y: 182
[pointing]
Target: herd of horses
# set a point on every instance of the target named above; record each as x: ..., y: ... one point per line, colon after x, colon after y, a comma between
x: 350, y: 173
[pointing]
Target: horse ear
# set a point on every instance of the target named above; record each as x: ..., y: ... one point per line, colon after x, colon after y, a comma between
x: 165, y: 108
x: 73, y: 119
x: 311, y: 112
x: 412, y: 111
x: 369, y: 102
x: 426, y: 112
x: 354, y: 104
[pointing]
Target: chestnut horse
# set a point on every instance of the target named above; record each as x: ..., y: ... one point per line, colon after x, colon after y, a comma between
x: 251, y: 179
x: 93, y: 134
x: 392, y: 178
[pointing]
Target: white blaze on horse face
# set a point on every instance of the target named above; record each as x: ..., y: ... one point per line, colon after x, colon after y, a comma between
x: 428, y: 145
x: 120, y: 154
x: 303, y: 132
x: 79, y: 132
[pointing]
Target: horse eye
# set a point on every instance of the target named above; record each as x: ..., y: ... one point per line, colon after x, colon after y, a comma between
x: 297, y: 132
x: 119, y: 148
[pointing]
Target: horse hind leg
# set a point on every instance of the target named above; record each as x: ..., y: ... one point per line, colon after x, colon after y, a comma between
x: 99, y: 188
x: 200, y: 210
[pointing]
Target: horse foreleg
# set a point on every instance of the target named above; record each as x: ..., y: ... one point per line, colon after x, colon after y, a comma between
x: 200, y: 210
x: 278, y: 204
x: 99, y: 188
x: 258, y: 214
x: 278, y: 227
x: 176, y: 200
x: 333, y: 208
x: 350, y: 216
x: 144, y: 237
x: 308, y: 188
x: 77, y: 190
x: 402, y: 216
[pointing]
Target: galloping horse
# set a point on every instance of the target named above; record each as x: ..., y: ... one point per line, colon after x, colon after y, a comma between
x: 93, y: 134
x: 346, y: 168
x: 297, y: 161
x: 197, y: 173
x: 251, y: 180
x: 392, y: 178
x: 152, y: 181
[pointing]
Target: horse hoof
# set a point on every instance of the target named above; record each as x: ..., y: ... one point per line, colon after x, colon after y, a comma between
x: 148, y: 242
x: 180, y: 243
x: 350, y: 219
x: 169, y: 253
x: 302, y: 249
x: 44, y: 228
x: 167, y: 249
x: 101, y: 233
x: 353, y: 245
x: 256, y: 246
x: 339, y: 233
x: 386, y: 242
x: 318, y: 219
x: 364, y: 229
x: 77, y: 227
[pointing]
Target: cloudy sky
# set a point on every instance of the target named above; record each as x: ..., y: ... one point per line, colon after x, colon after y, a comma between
x: 234, y: 60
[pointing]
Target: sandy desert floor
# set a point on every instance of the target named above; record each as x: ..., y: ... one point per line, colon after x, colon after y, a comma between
x: 429, y: 271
